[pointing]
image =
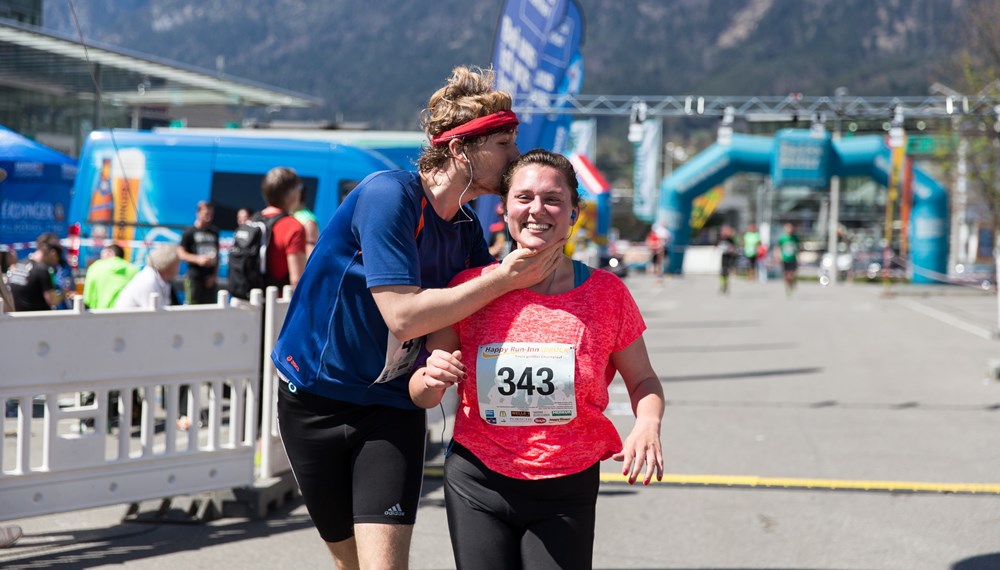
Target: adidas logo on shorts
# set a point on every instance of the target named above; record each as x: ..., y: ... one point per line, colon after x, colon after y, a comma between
x: 395, y: 511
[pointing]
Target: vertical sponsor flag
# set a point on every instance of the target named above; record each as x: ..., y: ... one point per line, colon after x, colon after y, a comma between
x: 582, y: 138
x: 519, y: 60
x: 536, y: 41
x: 560, y: 74
x: 646, y: 180
x: 556, y: 130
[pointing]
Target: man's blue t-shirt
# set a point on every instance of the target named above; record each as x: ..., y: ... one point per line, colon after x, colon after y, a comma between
x: 334, y: 341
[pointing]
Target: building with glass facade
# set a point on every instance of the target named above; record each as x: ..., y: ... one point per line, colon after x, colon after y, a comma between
x: 56, y: 90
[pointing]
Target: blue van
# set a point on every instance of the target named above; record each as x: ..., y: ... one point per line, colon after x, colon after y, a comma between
x: 137, y: 187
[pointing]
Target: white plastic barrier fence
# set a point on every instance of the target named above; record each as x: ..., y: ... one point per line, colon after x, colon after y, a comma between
x: 61, y: 448
x: 273, y: 461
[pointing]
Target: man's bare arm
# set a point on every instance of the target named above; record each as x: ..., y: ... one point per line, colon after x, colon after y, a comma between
x: 411, y: 312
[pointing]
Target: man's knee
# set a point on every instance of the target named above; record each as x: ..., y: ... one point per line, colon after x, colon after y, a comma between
x: 345, y: 554
x: 383, y: 545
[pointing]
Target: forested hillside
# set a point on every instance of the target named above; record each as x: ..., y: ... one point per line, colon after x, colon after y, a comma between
x: 377, y: 61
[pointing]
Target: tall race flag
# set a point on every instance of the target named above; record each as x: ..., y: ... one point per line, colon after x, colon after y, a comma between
x: 561, y: 58
x: 646, y: 172
x: 536, y: 55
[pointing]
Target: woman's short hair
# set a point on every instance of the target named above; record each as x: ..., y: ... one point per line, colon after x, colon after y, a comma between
x: 542, y: 157
x: 278, y: 183
x: 468, y: 94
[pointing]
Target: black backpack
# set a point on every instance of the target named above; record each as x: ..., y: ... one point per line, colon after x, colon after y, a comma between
x: 248, y: 255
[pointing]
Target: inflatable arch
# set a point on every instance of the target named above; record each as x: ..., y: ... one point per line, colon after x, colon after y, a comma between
x: 805, y: 158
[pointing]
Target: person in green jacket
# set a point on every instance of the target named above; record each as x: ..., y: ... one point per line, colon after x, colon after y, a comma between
x: 106, y: 278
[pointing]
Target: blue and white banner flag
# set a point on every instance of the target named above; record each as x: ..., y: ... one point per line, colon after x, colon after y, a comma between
x: 646, y: 179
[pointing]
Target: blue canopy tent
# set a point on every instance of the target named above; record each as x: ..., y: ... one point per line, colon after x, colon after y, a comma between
x: 35, y: 183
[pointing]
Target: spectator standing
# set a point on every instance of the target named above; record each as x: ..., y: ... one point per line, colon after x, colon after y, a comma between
x: 8, y: 258
x: 308, y: 220
x: 162, y: 265
x: 286, y: 248
x: 32, y: 282
x: 199, y: 248
x: 242, y: 216
x: 62, y: 275
x: 8, y: 300
x: 106, y: 278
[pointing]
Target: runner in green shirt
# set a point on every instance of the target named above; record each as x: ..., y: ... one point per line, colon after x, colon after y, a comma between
x: 788, y: 249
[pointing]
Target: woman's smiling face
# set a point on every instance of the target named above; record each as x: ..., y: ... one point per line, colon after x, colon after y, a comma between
x: 539, y: 206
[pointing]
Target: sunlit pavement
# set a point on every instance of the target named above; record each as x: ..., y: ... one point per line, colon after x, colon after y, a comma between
x: 846, y: 427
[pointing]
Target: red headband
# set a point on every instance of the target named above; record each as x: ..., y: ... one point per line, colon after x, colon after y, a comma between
x: 478, y: 126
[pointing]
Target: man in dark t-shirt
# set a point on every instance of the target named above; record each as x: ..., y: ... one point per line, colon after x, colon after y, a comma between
x: 199, y: 247
x: 31, y: 282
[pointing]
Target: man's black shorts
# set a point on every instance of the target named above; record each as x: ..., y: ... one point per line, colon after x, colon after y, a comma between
x: 353, y: 464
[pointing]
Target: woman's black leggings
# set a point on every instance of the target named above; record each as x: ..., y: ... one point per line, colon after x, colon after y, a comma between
x: 504, y: 523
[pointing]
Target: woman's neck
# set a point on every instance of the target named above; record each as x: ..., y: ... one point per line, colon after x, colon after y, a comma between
x: 560, y: 281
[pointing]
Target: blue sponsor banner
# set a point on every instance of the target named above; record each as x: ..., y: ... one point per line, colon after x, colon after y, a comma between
x: 646, y: 171
x: 536, y: 42
x: 35, y: 183
x: 801, y: 158
x: 519, y: 57
x: 561, y: 73
x: 29, y: 207
x: 555, y: 132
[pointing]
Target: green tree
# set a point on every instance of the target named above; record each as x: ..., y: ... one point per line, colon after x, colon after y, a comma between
x: 980, y: 62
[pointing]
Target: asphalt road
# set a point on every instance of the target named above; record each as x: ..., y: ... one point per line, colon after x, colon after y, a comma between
x: 842, y: 428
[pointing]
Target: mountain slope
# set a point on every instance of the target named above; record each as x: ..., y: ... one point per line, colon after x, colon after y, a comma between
x: 379, y: 60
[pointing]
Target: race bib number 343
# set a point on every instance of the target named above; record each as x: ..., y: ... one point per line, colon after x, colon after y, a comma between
x: 525, y: 384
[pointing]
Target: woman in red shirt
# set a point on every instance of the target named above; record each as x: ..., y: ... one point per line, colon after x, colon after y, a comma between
x: 532, y: 370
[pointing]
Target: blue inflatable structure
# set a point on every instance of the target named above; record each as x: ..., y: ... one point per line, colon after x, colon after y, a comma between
x: 801, y: 157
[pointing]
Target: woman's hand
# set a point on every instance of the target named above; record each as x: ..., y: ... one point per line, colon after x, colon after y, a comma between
x: 443, y: 369
x: 642, y: 450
